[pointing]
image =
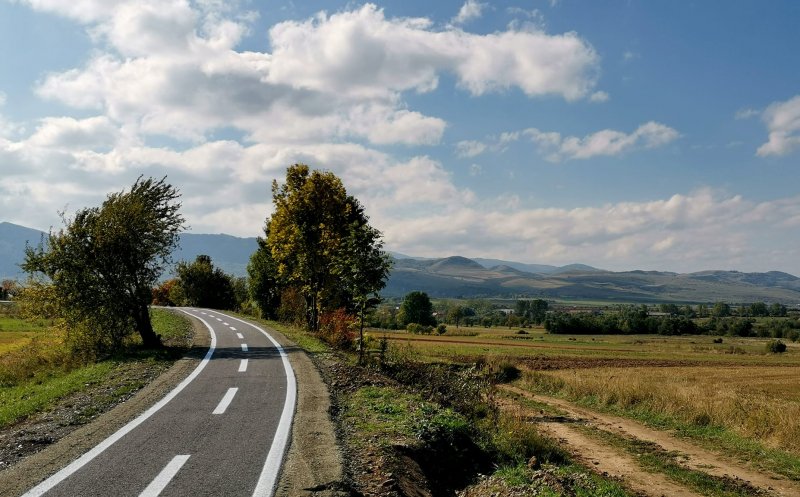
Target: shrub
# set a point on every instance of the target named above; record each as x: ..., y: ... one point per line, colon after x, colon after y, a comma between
x: 776, y: 347
x: 718, y: 340
x: 336, y: 329
x: 441, y: 329
x: 419, y: 329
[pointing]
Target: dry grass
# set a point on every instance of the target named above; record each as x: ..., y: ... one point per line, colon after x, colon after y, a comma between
x: 757, y: 402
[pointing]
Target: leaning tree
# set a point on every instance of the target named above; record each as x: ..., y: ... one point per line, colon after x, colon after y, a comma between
x: 104, y: 262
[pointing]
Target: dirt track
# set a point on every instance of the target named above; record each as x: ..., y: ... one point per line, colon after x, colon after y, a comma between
x: 616, y: 463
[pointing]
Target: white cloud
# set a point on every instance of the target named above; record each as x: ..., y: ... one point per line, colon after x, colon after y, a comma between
x: 746, y: 113
x: 475, y: 170
x: 599, y: 96
x: 470, y: 148
x: 701, y: 230
x: 470, y: 11
x: 606, y: 142
x: 783, y: 123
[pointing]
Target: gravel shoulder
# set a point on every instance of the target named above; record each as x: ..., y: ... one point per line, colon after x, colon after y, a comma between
x: 313, y: 463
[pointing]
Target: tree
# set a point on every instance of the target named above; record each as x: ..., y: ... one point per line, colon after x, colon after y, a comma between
x: 264, y: 287
x: 105, y: 261
x: 204, y: 285
x: 320, y: 242
x: 777, y: 310
x: 417, y: 308
x: 362, y: 268
x: 455, y: 314
x: 721, y: 310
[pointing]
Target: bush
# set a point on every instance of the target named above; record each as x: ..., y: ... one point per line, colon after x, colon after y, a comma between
x: 776, y: 347
x: 441, y: 329
x: 419, y: 329
x: 718, y: 340
x: 336, y: 329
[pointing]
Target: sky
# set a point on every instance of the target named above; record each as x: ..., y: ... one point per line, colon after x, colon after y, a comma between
x: 628, y: 134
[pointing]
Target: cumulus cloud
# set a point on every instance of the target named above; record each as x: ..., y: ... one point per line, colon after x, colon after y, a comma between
x: 783, y: 123
x: 606, y: 142
x: 470, y: 11
x: 685, y: 232
x: 470, y: 148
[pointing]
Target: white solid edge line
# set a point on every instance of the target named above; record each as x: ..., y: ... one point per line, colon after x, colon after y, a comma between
x: 80, y: 462
x: 164, y: 477
x: 243, y: 365
x: 272, y: 466
x: 226, y: 401
x: 240, y: 336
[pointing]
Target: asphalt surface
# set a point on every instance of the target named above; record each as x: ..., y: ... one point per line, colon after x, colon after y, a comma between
x: 224, y: 433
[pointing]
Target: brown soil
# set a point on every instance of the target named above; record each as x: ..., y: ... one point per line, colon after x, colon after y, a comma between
x: 692, y: 456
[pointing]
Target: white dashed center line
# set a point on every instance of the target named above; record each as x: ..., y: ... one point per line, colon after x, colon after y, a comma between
x: 239, y: 336
x: 234, y: 329
x: 226, y: 401
x: 243, y: 366
x: 244, y: 347
x: 163, y: 478
x: 218, y: 319
x: 226, y: 324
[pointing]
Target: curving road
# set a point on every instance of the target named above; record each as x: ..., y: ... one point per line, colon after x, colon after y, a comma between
x: 222, y: 431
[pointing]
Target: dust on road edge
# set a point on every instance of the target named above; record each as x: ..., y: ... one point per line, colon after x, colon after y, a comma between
x: 313, y: 463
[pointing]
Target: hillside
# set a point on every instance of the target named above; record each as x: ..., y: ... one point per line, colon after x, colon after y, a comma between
x: 458, y: 276
x: 227, y: 252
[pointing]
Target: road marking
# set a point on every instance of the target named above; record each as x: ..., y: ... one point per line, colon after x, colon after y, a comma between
x: 218, y: 319
x: 203, y: 313
x: 226, y: 401
x: 272, y: 465
x: 211, y: 315
x: 240, y: 336
x: 162, y: 480
x: 244, y: 347
x: 243, y: 365
x: 232, y: 328
x: 225, y: 324
x: 98, y: 449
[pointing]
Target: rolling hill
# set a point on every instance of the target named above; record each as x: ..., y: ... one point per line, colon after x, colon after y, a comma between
x: 458, y: 276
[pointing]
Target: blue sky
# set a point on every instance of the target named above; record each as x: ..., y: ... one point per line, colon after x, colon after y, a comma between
x: 625, y: 135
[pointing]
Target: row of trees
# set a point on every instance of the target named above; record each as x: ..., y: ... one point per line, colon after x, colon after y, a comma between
x: 637, y: 320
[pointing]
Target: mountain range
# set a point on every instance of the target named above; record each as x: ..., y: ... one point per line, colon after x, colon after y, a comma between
x: 462, y: 277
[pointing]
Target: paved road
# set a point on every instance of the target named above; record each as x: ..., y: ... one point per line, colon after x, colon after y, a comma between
x: 222, y: 432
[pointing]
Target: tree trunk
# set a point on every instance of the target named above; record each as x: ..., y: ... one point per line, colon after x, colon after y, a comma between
x: 361, y: 336
x: 145, y: 328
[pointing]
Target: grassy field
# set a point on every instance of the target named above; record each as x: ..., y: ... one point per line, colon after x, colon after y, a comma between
x: 733, y: 396
x: 536, y: 343
x: 37, y: 369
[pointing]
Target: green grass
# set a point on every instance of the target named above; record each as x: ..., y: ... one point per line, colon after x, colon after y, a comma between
x: 173, y: 327
x: 39, y: 372
x: 574, y: 479
x: 20, y: 401
x: 653, y: 458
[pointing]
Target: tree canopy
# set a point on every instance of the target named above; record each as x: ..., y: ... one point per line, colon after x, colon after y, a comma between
x: 104, y: 262
x: 205, y: 285
x: 417, y: 308
x: 318, y: 241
